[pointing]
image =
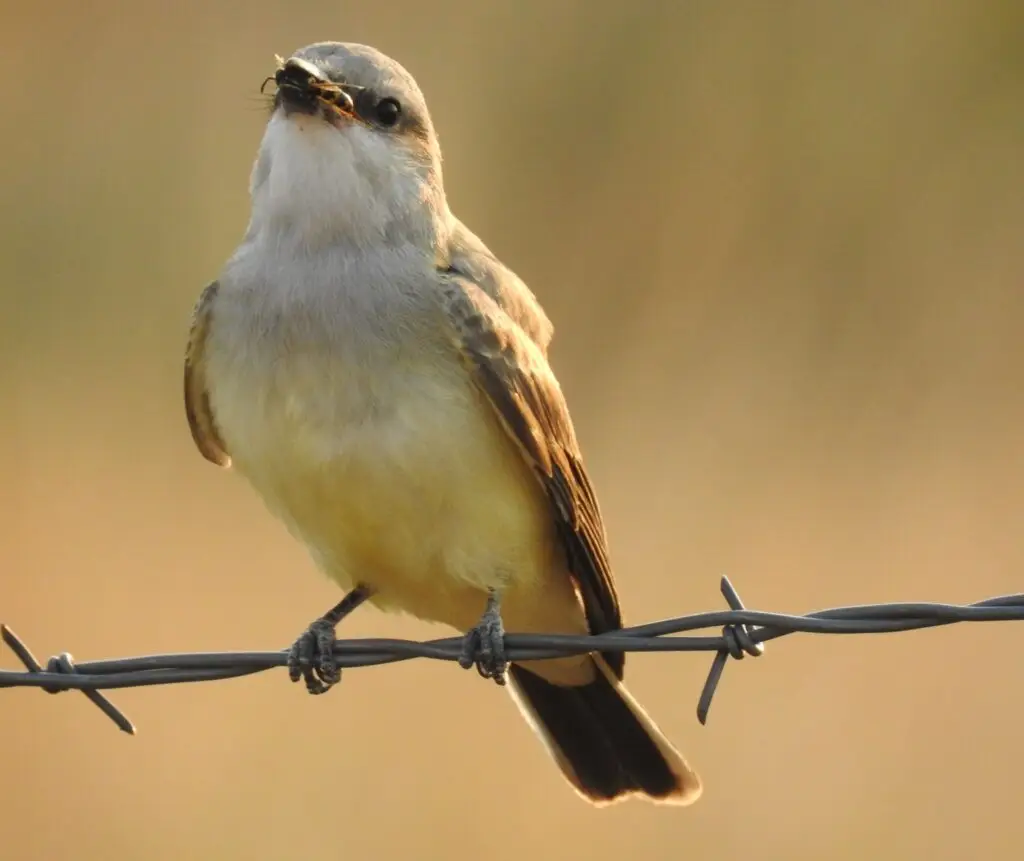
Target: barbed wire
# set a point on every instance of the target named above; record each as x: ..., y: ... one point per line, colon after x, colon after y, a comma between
x: 743, y: 632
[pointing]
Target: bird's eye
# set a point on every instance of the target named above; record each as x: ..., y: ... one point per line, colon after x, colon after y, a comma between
x: 387, y: 111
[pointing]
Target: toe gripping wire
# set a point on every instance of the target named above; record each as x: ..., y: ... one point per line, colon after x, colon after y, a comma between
x: 739, y: 642
x: 63, y: 664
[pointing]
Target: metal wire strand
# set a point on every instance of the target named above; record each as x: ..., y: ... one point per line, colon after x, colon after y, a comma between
x: 743, y: 633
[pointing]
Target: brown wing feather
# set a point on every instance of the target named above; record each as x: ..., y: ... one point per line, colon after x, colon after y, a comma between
x: 197, y: 401
x: 513, y: 374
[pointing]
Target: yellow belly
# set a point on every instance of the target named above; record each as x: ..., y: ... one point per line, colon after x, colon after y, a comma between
x: 423, y: 499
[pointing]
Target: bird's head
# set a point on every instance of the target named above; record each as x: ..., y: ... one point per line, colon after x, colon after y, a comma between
x: 349, y: 153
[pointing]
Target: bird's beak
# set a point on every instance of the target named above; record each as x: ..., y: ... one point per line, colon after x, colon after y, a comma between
x: 304, y: 88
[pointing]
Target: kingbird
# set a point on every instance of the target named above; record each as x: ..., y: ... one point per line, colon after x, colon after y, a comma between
x: 381, y: 380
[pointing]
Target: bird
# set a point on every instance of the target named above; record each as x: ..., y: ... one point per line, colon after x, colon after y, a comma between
x: 381, y: 380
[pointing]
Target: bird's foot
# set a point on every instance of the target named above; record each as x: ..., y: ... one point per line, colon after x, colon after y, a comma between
x: 311, y: 658
x: 484, y: 646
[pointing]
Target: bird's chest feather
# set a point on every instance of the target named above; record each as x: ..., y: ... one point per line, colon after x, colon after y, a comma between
x: 294, y: 396
x: 378, y: 457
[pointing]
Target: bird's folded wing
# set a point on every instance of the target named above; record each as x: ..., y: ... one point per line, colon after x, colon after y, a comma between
x: 476, y: 262
x: 197, y: 401
x: 513, y: 375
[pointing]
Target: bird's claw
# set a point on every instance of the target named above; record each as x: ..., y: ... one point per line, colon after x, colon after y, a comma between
x: 311, y: 658
x: 484, y: 646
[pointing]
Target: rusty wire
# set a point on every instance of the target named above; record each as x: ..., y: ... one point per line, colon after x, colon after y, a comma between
x: 743, y: 632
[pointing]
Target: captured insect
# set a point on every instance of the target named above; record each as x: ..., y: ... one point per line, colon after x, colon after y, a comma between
x: 297, y: 74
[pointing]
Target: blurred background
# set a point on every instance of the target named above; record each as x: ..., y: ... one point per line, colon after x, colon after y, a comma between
x: 782, y: 246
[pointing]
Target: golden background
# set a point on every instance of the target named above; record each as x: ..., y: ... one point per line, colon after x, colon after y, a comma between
x: 782, y: 246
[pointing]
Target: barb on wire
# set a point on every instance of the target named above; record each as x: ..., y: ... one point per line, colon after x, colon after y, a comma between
x: 743, y: 632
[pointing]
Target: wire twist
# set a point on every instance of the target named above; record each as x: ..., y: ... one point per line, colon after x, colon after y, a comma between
x: 743, y: 633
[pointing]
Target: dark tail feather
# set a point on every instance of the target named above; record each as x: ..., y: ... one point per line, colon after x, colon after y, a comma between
x: 603, y: 741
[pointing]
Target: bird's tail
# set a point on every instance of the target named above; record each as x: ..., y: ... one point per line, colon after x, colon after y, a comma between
x: 604, y: 742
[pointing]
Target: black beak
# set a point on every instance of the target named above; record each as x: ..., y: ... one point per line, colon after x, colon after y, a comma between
x: 299, y: 75
x: 299, y: 85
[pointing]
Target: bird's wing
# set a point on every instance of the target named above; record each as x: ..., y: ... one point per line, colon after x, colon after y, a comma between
x: 512, y: 372
x: 197, y: 400
x: 475, y: 261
